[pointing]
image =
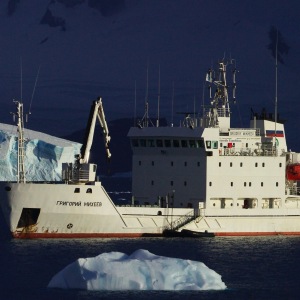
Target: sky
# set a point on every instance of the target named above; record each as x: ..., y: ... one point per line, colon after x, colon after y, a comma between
x: 59, y: 64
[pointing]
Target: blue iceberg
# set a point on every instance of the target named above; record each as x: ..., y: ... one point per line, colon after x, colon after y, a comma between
x: 44, y: 154
x: 141, y: 270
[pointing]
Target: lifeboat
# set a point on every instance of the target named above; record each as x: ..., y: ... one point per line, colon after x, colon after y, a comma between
x: 293, y: 172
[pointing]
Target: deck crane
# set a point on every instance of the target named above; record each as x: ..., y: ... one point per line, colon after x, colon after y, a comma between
x: 82, y: 171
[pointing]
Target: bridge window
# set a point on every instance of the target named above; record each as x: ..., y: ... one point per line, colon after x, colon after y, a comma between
x: 176, y: 143
x: 215, y: 144
x: 159, y: 143
x: 143, y: 143
x: 192, y: 143
x: 184, y: 143
x: 89, y: 191
x: 150, y: 143
x: 208, y: 144
x: 77, y: 190
x: 200, y: 143
x: 168, y: 143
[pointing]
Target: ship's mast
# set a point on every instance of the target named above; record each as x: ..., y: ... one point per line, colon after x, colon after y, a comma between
x: 21, y: 152
x: 219, y: 112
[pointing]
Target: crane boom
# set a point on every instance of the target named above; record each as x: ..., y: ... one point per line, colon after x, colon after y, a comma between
x: 96, y: 111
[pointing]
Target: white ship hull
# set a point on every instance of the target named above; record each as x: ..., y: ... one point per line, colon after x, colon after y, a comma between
x: 54, y: 211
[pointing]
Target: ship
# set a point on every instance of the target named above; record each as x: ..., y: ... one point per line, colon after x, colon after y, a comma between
x: 201, y: 178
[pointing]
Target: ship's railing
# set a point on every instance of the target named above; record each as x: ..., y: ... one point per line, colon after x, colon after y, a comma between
x: 247, y: 152
x: 294, y: 190
x: 245, y: 131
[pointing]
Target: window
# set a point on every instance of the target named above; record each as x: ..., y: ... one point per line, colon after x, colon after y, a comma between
x: 249, y: 183
x: 185, y: 183
x: 210, y: 183
x: 215, y: 144
x: 192, y: 143
x: 280, y: 165
x: 208, y: 144
x: 168, y: 143
x: 231, y: 164
x: 198, y: 163
x: 185, y: 163
x: 261, y: 184
x: 143, y: 143
x: 159, y: 143
x: 263, y: 164
x: 256, y: 165
x: 200, y: 143
x: 152, y: 163
x: 172, y: 163
x: 277, y: 184
x: 171, y: 182
x: 150, y: 143
x: 245, y: 183
x: 220, y: 164
x: 140, y: 163
x: 152, y: 182
x: 231, y: 183
x: 77, y: 190
x: 184, y: 143
x: 89, y: 191
x: 176, y: 143
x: 241, y: 164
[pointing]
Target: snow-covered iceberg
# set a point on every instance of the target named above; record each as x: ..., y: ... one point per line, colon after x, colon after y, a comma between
x: 141, y: 270
x: 44, y: 154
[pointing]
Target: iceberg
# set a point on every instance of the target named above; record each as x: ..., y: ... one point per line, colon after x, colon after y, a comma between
x: 141, y: 270
x: 44, y: 154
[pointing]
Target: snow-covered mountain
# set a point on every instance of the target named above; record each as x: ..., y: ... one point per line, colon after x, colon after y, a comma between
x: 90, y: 48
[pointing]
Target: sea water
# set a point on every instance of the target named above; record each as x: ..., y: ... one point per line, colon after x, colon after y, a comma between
x: 251, y: 267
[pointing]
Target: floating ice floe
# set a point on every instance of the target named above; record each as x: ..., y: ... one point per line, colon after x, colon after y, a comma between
x: 141, y: 270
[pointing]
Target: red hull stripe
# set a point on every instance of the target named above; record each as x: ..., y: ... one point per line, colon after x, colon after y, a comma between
x: 256, y: 233
x: 33, y: 235
x: 135, y: 235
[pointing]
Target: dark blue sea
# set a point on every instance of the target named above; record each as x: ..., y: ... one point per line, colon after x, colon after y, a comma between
x: 251, y: 267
